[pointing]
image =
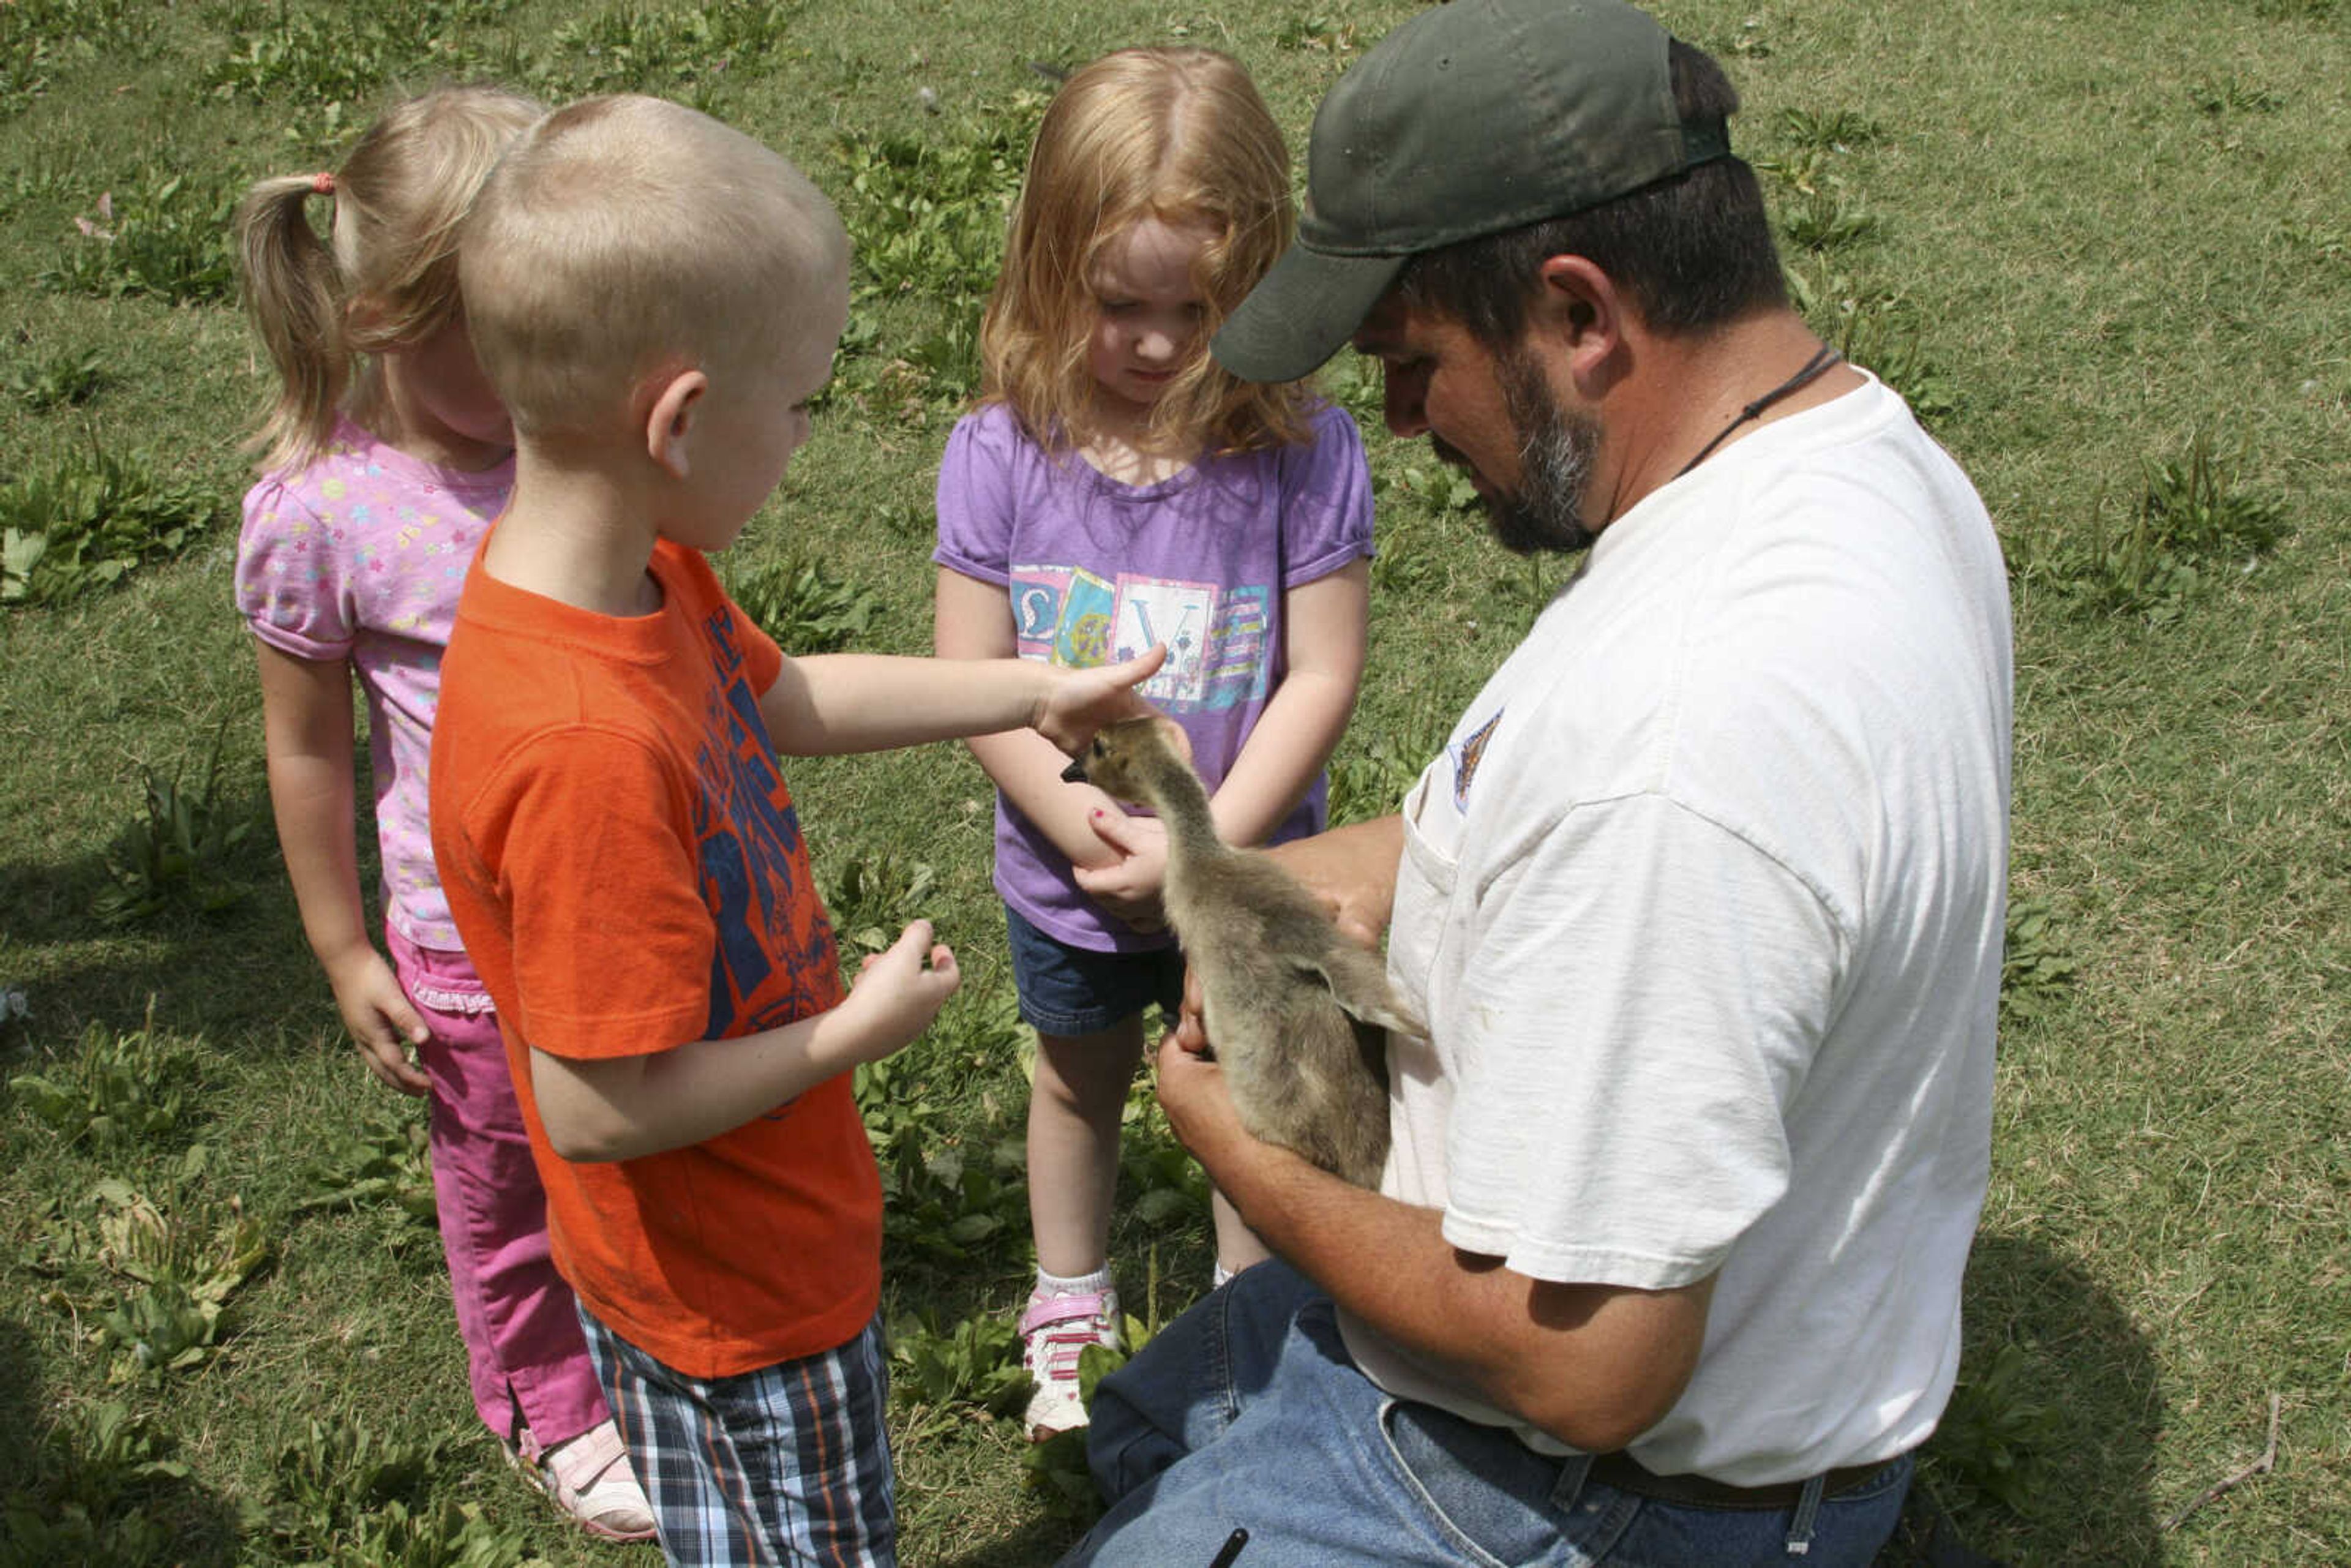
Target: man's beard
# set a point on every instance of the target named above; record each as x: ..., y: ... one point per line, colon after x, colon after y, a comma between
x: 1556, y: 451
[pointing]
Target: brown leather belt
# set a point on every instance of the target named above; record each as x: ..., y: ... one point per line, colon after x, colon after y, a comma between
x: 1626, y: 1473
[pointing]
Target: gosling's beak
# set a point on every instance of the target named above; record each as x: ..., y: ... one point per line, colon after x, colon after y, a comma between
x: 1075, y: 773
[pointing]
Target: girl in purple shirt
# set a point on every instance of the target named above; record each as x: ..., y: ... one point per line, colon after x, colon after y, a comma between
x: 1116, y: 488
x: 388, y: 455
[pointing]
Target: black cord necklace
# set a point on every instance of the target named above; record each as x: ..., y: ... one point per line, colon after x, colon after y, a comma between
x: 1812, y: 370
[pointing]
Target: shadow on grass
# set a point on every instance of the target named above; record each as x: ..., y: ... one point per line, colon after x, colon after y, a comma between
x: 1035, y: 1544
x: 244, y: 969
x: 20, y: 1408
x: 93, y: 1487
x: 2082, y: 1408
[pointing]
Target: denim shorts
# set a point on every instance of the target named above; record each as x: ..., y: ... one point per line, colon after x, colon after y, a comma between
x: 1067, y: 990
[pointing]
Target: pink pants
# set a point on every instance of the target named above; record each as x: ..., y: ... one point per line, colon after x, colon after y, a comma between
x: 525, y: 1353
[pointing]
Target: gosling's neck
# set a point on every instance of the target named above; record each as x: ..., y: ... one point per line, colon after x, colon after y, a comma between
x: 1182, y: 801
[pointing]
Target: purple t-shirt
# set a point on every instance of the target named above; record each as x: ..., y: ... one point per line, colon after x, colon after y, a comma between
x: 1098, y: 571
x: 359, y: 557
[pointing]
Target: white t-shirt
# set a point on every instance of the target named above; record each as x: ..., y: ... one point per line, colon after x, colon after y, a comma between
x: 1703, y: 905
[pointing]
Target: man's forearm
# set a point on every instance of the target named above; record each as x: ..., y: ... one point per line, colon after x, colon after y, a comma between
x: 1594, y: 1365
x: 1353, y: 868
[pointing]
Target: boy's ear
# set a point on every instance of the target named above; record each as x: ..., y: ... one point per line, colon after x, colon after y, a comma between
x: 675, y: 404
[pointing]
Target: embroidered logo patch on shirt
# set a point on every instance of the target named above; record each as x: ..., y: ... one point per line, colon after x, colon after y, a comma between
x: 1466, y: 757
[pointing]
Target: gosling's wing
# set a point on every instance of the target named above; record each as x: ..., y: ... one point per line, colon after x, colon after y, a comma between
x: 1358, y: 981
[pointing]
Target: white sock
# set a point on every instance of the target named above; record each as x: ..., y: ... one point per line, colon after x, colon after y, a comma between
x: 1095, y: 1283
x: 1220, y: 1276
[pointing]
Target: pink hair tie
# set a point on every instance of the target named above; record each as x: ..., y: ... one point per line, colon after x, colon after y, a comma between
x: 323, y: 182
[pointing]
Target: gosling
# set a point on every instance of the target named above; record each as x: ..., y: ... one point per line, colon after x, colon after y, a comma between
x: 1296, y: 1012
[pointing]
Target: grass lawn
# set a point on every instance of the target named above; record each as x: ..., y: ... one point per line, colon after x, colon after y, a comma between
x: 2098, y: 245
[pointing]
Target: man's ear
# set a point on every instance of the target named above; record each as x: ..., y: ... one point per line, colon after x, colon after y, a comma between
x: 670, y: 413
x: 1583, y: 308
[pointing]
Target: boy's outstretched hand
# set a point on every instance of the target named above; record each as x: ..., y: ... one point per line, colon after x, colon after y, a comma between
x: 899, y: 991
x: 1077, y: 703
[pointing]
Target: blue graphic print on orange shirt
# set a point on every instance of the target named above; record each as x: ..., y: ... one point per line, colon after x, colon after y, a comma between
x: 775, y: 961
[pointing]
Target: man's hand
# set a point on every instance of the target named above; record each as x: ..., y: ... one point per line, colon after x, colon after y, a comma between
x: 1353, y: 869
x: 1191, y: 1031
x: 1078, y: 702
x: 1129, y: 887
x: 1192, y: 1091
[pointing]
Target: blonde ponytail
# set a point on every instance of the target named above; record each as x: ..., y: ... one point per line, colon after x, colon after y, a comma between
x: 391, y: 252
x: 293, y: 292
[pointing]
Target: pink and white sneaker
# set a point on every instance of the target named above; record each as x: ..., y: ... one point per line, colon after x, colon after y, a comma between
x: 1054, y: 1333
x: 590, y: 1478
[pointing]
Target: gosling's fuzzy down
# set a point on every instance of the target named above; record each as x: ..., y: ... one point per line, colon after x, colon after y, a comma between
x: 1296, y: 1013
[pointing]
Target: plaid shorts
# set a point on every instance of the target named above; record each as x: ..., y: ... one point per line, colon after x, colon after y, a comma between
x: 789, y: 1464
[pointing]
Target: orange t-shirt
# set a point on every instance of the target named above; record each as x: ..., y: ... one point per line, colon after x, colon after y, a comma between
x: 625, y: 866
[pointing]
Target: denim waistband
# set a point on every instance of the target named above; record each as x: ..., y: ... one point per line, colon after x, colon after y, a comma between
x: 1482, y: 1456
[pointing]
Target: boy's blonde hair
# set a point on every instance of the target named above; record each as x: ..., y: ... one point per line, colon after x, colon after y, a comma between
x: 1176, y: 134
x: 398, y: 199
x: 624, y: 235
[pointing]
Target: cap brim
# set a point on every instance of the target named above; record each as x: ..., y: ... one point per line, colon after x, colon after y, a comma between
x: 1300, y: 313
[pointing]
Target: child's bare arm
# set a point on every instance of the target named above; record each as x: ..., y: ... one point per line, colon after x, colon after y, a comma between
x: 1293, y: 738
x: 626, y: 1107
x: 306, y: 717
x: 973, y: 620
x: 834, y: 703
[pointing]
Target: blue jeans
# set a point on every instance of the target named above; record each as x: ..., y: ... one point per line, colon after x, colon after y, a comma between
x: 1247, y: 1413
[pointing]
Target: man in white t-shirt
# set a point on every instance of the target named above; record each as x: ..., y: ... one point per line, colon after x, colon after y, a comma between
x: 1702, y: 903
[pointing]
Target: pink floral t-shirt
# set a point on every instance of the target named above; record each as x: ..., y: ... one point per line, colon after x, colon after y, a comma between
x: 359, y: 557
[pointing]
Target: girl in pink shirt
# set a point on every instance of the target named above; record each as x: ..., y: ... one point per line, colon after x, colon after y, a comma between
x: 387, y: 456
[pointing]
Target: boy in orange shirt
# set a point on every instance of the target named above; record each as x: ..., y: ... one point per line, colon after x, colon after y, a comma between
x: 655, y: 298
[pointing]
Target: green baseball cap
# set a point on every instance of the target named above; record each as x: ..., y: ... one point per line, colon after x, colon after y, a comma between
x: 1471, y: 118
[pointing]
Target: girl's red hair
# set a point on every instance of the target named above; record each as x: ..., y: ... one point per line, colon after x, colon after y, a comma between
x: 1178, y: 134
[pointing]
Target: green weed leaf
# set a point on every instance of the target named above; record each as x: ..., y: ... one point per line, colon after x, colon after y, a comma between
x: 118, y: 1091
x: 80, y: 525
x: 803, y: 607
